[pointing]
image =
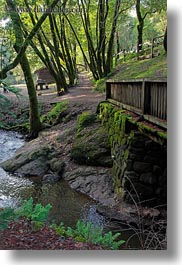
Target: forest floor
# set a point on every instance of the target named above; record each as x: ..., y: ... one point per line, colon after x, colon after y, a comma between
x: 79, y: 99
x: 19, y: 235
x: 81, y: 96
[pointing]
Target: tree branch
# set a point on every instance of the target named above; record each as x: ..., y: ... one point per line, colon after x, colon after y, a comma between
x: 3, y: 73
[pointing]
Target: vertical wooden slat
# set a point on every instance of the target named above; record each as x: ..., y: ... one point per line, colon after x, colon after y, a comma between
x: 148, y: 96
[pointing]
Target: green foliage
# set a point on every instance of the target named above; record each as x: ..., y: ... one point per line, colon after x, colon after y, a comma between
x: 100, y: 85
x: 6, y: 215
x: 85, y: 119
x: 59, y: 229
x: 83, y: 231
x: 52, y: 117
x: 4, y: 101
x: 26, y: 208
x: 37, y: 213
x: 88, y: 232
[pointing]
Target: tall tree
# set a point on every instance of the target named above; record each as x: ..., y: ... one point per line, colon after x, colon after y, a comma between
x: 140, y: 25
x: 99, y: 21
x: 35, y: 124
x: 54, y: 47
x: 26, y: 42
x: 144, y: 8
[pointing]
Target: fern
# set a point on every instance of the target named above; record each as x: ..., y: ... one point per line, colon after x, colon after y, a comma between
x: 40, y: 213
x: 88, y: 232
x: 6, y: 216
x: 37, y: 213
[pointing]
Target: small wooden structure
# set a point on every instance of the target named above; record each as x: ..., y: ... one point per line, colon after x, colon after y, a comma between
x: 43, y: 78
x: 144, y: 97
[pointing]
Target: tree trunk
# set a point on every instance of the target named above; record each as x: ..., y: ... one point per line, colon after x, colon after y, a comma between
x: 109, y: 61
x: 139, y: 27
x: 117, y: 48
x: 35, y: 124
x: 62, y: 79
x: 140, y: 37
x: 34, y: 117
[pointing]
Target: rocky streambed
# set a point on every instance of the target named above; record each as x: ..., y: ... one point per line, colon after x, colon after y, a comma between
x: 33, y: 171
x: 71, y: 168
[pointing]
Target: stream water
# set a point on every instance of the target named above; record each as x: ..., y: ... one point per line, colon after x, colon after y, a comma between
x: 67, y: 205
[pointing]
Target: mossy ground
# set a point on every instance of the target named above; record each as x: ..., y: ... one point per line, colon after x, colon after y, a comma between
x: 54, y: 115
x: 155, y: 68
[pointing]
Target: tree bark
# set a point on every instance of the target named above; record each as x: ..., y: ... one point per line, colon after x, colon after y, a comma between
x: 140, y: 26
x: 109, y: 61
x: 35, y: 124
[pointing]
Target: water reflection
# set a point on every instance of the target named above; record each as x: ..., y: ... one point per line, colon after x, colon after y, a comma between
x: 68, y: 205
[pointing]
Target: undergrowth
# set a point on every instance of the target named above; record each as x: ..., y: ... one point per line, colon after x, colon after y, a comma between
x: 38, y: 215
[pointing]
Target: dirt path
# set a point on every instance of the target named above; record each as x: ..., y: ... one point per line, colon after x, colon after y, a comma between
x: 81, y: 95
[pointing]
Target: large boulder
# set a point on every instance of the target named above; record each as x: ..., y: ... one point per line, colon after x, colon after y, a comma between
x: 30, y: 160
x: 95, y: 182
x: 91, y: 147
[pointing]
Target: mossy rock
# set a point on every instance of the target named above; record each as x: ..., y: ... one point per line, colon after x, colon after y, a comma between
x: 92, y: 147
x: 56, y: 114
x: 57, y: 165
x: 85, y: 119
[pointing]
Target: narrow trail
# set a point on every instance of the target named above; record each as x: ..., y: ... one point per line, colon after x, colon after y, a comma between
x: 81, y: 95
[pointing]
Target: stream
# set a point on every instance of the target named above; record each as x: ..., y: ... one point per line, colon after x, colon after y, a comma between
x: 67, y: 205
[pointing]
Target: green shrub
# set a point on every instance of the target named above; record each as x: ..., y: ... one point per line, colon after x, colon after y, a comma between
x: 83, y: 231
x: 100, y: 85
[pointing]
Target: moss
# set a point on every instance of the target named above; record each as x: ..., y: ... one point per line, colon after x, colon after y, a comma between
x: 91, y: 146
x: 126, y: 154
x: 54, y: 115
x: 85, y: 119
x: 162, y: 135
x: 151, y: 68
x: 21, y: 128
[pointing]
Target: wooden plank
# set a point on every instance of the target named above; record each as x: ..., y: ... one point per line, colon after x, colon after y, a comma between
x: 147, y: 96
x: 157, y: 121
x: 125, y: 106
x: 162, y: 80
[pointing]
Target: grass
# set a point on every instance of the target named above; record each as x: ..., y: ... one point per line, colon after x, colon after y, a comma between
x: 155, y: 68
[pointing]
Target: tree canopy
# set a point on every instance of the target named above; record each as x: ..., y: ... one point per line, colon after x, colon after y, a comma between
x: 60, y: 34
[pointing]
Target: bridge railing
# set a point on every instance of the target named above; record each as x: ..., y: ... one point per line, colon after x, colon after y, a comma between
x: 144, y: 97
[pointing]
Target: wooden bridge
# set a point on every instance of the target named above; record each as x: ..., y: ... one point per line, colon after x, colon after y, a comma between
x: 144, y: 97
